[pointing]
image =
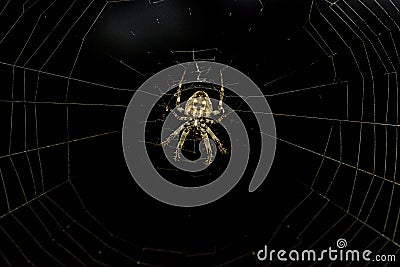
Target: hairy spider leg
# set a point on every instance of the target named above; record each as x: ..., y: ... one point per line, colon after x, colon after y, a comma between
x: 221, y: 97
x: 180, y: 144
x: 172, y: 135
x: 221, y: 118
x: 207, y: 144
x: 216, y: 140
x: 181, y: 118
x: 178, y: 94
x: 221, y: 93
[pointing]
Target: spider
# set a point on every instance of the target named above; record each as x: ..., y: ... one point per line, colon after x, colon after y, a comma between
x: 197, y: 114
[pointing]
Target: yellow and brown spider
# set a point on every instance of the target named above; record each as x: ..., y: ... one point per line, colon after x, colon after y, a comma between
x: 197, y: 114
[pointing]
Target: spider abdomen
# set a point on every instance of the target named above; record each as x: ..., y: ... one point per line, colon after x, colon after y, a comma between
x: 199, y: 105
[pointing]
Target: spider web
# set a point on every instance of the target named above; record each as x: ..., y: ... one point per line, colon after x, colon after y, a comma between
x: 69, y: 70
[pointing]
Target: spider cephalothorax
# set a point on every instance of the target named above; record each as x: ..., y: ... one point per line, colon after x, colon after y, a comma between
x: 197, y: 114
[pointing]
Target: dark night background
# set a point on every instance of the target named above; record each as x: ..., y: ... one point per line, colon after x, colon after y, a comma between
x: 69, y: 69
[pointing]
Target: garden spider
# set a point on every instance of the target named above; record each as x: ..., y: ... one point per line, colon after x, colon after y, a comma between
x: 197, y: 113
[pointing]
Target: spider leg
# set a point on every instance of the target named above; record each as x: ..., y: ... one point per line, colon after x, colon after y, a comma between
x: 223, y: 116
x: 221, y: 98
x: 216, y: 140
x: 207, y: 144
x: 180, y: 144
x: 181, y: 109
x: 178, y: 94
x: 221, y: 93
x: 215, y: 112
x: 178, y: 101
x: 178, y: 117
x: 173, y: 135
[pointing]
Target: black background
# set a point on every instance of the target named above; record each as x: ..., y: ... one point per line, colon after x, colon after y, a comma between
x: 90, y: 210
